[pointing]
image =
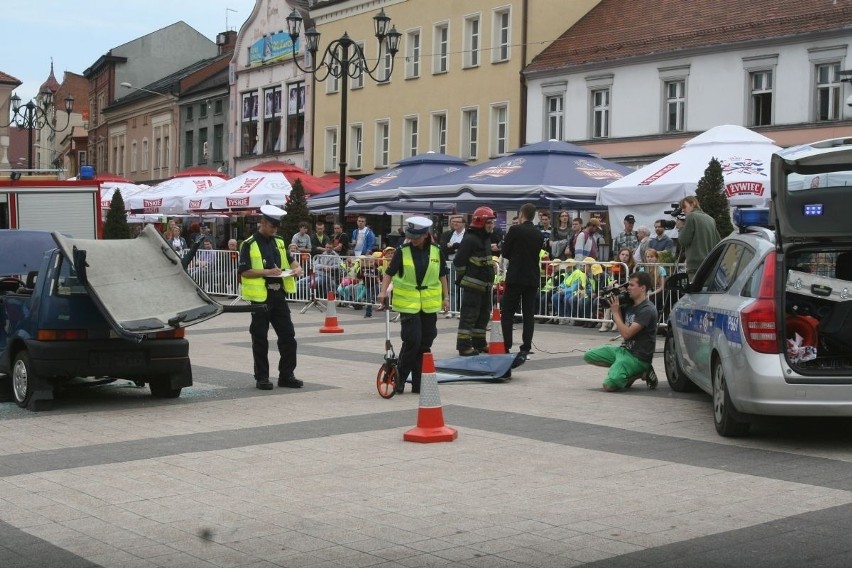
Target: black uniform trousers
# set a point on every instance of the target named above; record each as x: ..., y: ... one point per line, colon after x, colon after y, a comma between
x: 278, y: 314
x: 473, y: 319
x: 417, y: 331
x: 526, y: 296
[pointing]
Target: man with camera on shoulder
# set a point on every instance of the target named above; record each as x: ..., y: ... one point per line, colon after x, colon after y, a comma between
x: 637, y: 324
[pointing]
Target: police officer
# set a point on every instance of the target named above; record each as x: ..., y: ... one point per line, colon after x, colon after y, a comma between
x: 419, y: 274
x: 267, y: 273
x: 475, y: 275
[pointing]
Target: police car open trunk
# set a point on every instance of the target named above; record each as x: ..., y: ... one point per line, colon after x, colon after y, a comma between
x: 811, y: 192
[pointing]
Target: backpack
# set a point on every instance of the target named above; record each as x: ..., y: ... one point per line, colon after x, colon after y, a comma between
x: 835, y: 328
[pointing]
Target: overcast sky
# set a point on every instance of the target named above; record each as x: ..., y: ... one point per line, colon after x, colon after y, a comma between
x: 76, y: 34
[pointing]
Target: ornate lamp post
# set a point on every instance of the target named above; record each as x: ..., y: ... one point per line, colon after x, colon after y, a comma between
x: 344, y: 59
x: 34, y: 116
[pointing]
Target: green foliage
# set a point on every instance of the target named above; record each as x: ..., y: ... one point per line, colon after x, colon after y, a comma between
x: 297, y: 211
x: 665, y: 257
x: 711, y: 196
x: 115, y: 226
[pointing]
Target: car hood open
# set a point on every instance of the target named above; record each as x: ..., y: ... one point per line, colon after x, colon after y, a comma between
x: 138, y: 284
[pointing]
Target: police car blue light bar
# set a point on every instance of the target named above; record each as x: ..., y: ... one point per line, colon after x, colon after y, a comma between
x: 750, y: 216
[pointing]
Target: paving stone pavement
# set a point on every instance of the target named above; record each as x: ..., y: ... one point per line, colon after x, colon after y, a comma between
x: 547, y: 471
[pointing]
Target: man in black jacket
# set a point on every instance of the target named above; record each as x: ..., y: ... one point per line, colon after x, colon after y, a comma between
x: 521, y: 248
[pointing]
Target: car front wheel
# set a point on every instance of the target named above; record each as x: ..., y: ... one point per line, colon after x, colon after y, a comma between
x: 23, y: 379
x: 161, y: 387
x: 724, y: 413
x: 677, y: 379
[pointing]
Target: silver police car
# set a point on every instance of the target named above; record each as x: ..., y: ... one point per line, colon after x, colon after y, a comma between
x: 765, y: 327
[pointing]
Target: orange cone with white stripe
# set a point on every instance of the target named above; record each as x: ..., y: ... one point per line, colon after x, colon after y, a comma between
x: 495, y: 340
x: 330, y: 325
x: 430, y: 416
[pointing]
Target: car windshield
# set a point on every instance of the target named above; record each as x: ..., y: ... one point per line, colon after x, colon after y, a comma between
x: 799, y: 182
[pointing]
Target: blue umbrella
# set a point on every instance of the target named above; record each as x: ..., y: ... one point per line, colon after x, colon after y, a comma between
x: 378, y: 193
x: 543, y: 173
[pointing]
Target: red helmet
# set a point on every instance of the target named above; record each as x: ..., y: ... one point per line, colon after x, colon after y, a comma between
x: 481, y: 215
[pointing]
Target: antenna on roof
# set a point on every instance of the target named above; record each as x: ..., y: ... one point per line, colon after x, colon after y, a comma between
x: 227, y: 29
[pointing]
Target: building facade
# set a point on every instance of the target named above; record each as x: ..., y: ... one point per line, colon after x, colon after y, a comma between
x: 633, y: 81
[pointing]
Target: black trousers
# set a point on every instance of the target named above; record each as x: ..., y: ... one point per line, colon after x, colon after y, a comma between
x: 417, y: 331
x: 277, y: 314
x: 526, y: 296
x: 473, y: 319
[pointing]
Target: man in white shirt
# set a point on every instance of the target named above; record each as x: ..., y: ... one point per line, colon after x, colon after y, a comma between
x: 450, y: 241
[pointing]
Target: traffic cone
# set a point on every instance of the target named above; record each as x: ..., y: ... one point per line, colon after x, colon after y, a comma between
x: 430, y: 416
x: 495, y: 340
x: 330, y: 325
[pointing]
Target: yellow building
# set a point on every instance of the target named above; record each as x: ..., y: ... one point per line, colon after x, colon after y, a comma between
x: 456, y: 85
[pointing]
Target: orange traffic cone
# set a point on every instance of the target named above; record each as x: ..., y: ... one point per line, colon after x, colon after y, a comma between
x: 330, y: 325
x: 430, y: 416
x: 495, y: 340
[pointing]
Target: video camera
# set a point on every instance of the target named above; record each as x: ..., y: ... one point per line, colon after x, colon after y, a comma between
x: 677, y: 213
x: 618, y: 291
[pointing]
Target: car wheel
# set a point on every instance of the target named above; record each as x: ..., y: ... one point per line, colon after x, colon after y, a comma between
x: 23, y: 379
x: 678, y: 381
x: 161, y: 387
x: 724, y: 413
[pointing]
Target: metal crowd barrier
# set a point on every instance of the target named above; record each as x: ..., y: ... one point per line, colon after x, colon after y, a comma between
x: 356, y: 281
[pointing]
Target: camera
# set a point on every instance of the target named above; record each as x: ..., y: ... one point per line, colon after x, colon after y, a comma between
x: 618, y: 291
x: 675, y: 212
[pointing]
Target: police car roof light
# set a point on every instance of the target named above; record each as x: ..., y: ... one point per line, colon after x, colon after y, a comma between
x: 751, y: 217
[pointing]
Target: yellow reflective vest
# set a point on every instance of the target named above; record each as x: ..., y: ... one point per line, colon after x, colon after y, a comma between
x: 408, y: 297
x: 254, y: 289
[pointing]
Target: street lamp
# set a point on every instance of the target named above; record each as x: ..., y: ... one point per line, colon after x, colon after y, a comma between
x: 34, y: 116
x: 344, y: 59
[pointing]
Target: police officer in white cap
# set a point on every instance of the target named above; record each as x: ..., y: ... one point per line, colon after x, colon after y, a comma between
x: 268, y: 273
x: 418, y: 271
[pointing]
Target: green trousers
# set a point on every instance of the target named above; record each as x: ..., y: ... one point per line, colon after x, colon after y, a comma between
x: 622, y: 364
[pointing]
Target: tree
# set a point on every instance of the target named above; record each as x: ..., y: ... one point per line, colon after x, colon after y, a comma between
x: 115, y: 226
x: 297, y: 211
x: 711, y: 195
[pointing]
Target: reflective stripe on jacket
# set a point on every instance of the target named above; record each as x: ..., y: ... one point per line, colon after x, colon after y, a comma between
x: 254, y: 289
x: 408, y: 297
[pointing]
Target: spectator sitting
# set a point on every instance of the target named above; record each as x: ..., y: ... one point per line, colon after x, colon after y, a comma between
x: 628, y: 238
x: 302, y: 239
x: 561, y: 300
x: 658, y: 274
x: 644, y: 236
x: 326, y: 272
x: 661, y: 241
x: 319, y: 239
x: 586, y: 244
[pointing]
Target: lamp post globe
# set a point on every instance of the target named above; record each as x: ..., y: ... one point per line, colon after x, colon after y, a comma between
x: 32, y: 116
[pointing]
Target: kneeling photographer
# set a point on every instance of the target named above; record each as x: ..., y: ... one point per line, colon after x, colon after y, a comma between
x: 635, y: 318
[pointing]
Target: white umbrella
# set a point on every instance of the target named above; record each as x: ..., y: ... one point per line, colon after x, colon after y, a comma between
x: 745, y: 157
x: 127, y: 189
x: 248, y: 190
x: 167, y: 198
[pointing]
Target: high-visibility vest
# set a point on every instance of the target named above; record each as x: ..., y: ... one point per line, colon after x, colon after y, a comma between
x: 254, y: 289
x: 408, y: 297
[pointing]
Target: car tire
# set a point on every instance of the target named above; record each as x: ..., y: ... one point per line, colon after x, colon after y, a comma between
x: 678, y: 381
x: 161, y: 387
x: 725, y: 416
x: 23, y: 379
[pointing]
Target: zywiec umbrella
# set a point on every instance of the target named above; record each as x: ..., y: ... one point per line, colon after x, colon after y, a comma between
x: 379, y: 192
x: 167, y: 198
x: 542, y: 173
x: 110, y: 183
x: 647, y: 192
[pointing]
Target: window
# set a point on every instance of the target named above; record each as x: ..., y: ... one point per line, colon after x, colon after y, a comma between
x: 133, y: 156
x: 356, y: 150
x: 441, y: 49
x: 330, y: 149
x: 411, y: 132
x: 828, y: 91
x: 357, y: 82
x: 412, y: 54
x: 675, y: 93
x: 470, y: 134
x: 600, y: 113
x: 271, y: 120
x: 471, y: 41
x: 760, y: 101
x: 499, y: 130
x: 188, y: 148
x: 203, y: 149
x: 145, y: 155
x: 382, y: 144
x: 202, y: 110
x: 731, y: 261
x: 158, y: 151
x: 554, y: 117
x: 248, y: 130
x: 502, y: 36
x: 167, y: 157
x: 383, y: 73
x: 332, y: 85
x: 296, y: 116
x: 218, y: 142
x: 439, y: 133
x: 189, y: 113
x: 217, y: 106
x: 82, y: 156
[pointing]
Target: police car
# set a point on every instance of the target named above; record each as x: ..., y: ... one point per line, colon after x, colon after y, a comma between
x: 765, y: 327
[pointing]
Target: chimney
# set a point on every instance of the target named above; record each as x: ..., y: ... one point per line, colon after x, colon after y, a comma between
x: 226, y: 41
